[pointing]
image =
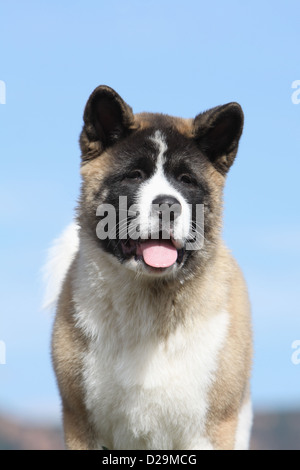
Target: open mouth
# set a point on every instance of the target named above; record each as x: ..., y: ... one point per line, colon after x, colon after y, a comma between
x: 158, y: 254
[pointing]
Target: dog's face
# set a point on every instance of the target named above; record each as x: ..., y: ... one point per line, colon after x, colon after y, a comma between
x: 152, y: 184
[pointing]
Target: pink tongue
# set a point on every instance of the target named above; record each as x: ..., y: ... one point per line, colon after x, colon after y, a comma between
x: 159, y: 253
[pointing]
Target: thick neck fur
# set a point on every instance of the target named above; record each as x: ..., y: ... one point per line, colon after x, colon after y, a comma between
x: 134, y: 306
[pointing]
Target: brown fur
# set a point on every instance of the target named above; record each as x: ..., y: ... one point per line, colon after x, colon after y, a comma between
x: 68, y: 345
x: 231, y: 389
x: 215, y: 284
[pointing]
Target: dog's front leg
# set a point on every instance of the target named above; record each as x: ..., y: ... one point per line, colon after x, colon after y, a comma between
x: 232, y: 433
x: 78, y: 432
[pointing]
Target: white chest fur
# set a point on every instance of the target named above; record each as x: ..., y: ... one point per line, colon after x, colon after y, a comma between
x: 143, y: 390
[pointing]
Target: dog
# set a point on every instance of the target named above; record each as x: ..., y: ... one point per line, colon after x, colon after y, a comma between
x: 152, y: 341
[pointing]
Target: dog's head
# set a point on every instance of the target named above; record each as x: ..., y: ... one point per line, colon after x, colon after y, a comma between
x: 152, y: 184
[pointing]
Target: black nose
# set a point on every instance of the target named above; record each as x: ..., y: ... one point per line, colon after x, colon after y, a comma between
x: 164, y: 203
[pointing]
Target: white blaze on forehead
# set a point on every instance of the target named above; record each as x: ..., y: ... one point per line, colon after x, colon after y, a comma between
x: 161, y: 144
x: 158, y: 185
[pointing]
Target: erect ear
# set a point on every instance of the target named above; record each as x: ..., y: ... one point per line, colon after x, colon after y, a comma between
x: 217, y: 132
x: 107, y: 118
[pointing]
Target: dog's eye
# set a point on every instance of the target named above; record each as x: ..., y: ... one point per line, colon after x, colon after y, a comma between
x: 187, y: 179
x: 135, y: 175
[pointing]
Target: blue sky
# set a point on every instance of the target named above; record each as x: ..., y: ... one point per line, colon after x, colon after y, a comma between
x: 167, y: 56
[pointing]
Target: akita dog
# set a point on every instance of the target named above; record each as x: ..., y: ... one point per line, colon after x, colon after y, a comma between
x: 152, y: 343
